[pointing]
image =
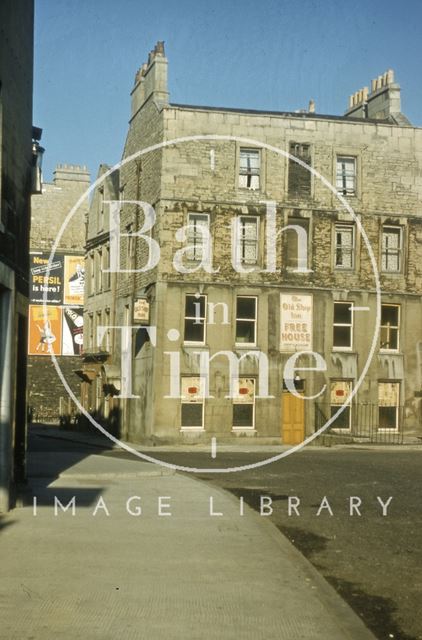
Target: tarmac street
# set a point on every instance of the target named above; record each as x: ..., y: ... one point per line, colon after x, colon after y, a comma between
x: 182, y: 574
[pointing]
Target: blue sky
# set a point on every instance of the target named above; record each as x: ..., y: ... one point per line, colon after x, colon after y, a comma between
x: 260, y: 54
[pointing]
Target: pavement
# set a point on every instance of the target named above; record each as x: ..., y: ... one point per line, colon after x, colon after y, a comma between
x: 188, y: 565
x: 97, y: 439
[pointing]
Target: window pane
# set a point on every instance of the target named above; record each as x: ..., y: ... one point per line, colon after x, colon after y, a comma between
x: 246, y: 308
x: 346, y: 175
x: 390, y: 315
x: 342, y: 313
x: 195, y: 307
x: 245, y: 332
x: 389, y: 338
x: 194, y: 332
x: 342, y: 337
x: 249, y: 161
x: 387, y: 417
x: 249, y: 169
x: 343, y: 420
x: 243, y: 415
x: 191, y: 415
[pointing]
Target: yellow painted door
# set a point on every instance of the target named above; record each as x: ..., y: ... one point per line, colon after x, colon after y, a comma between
x: 292, y: 418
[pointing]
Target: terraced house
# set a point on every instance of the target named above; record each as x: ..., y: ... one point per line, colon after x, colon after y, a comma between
x: 258, y: 277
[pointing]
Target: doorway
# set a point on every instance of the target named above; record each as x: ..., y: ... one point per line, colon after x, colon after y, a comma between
x: 292, y: 418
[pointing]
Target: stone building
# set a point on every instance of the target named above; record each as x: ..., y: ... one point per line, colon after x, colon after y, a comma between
x: 64, y: 288
x: 272, y: 228
x: 17, y: 172
x: 99, y: 374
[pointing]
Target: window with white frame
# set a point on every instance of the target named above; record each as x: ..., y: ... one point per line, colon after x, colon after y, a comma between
x: 344, y: 246
x: 392, y: 241
x: 346, y: 175
x: 389, y: 330
x: 196, y: 240
x: 246, y: 319
x: 343, y: 325
x: 247, y: 239
x: 195, y: 318
x: 249, y: 168
x: 244, y: 403
x: 339, y: 392
x: 192, y: 403
x: 388, y: 405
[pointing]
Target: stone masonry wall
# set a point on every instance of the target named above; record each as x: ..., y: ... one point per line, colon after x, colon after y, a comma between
x: 46, y: 395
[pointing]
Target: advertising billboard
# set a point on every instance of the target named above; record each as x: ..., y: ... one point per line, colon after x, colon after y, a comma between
x: 73, y: 331
x: 74, y: 280
x: 39, y: 282
x: 45, y: 330
x: 296, y: 322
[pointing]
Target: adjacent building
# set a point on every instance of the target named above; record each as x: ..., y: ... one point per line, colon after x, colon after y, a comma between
x: 259, y: 261
x: 18, y: 169
x: 100, y: 373
x: 58, y: 328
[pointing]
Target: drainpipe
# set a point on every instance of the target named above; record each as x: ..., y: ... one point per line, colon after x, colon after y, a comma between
x: 6, y: 339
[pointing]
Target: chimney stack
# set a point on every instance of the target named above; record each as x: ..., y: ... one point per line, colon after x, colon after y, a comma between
x: 382, y: 101
x: 151, y: 80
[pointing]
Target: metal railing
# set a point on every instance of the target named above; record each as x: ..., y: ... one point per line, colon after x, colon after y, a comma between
x: 363, y: 422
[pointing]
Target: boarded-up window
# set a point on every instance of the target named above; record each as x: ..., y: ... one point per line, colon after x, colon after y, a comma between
x: 296, y: 243
x: 391, y: 249
x: 249, y: 168
x: 344, y: 246
x: 389, y: 333
x: 196, y: 237
x: 244, y: 403
x: 192, y: 410
x: 247, y: 239
x: 340, y: 391
x: 388, y: 405
x: 299, y: 179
